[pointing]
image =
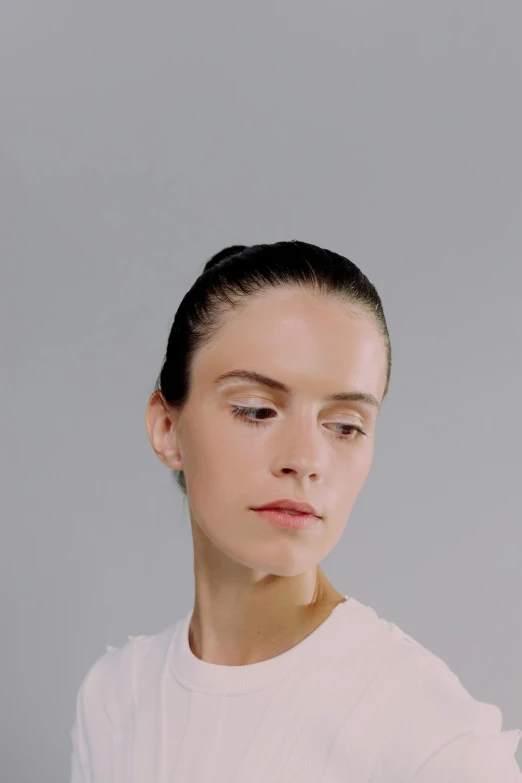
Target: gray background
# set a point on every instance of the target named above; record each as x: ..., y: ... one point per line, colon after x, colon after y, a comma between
x: 137, y: 139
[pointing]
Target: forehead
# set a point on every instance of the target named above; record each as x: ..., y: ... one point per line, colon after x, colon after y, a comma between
x: 296, y: 315
x: 301, y: 337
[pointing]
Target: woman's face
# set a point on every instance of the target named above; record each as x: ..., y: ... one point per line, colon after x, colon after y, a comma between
x: 303, y: 447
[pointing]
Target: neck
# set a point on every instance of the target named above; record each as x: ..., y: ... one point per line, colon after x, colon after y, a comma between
x: 267, y: 620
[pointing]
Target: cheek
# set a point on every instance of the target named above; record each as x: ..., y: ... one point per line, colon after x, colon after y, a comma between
x: 361, y: 467
x: 350, y: 470
x: 220, y: 454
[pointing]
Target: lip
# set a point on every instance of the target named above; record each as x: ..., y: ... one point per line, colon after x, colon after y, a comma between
x: 284, y: 519
x: 289, y: 504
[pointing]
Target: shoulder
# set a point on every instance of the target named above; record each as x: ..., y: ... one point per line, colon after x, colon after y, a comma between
x: 473, y: 757
x: 107, y: 697
x: 430, y: 692
x: 421, y: 720
x: 109, y: 685
x: 457, y: 735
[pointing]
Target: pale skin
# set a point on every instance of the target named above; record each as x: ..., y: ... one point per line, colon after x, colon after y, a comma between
x: 259, y: 589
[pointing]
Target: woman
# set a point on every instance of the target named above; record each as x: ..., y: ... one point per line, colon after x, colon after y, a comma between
x: 276, y: 368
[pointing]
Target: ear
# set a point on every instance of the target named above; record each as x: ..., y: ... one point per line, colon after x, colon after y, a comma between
x: 161, y: 425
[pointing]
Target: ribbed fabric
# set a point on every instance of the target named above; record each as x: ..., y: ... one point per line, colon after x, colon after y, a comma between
x: 357, y: 701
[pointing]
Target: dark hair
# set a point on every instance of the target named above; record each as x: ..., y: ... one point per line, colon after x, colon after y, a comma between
x: 236, y: 273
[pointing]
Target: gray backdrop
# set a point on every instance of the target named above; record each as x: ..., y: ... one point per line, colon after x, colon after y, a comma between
x: 138, y: 139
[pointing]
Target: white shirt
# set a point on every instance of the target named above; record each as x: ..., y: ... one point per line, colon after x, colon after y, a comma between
x: 357, y: 701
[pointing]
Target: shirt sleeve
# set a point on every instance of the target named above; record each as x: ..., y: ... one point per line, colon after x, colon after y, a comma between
x: 80, y: 771
x: 474, y: 758
x: 80, y: 768
x: 92, y: 731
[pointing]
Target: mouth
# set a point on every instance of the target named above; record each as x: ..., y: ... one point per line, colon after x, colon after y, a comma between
x: 289, y: 505
x: 283, y: 510
x: 287, y: 518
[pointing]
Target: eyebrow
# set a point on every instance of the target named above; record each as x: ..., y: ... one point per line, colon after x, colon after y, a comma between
x: 263, y: 380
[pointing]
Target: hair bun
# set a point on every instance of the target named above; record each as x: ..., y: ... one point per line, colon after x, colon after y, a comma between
x: 227, y: 252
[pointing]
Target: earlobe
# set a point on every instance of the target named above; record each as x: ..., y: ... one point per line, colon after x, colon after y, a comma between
x: 170, y: 446
x: 161, y: 433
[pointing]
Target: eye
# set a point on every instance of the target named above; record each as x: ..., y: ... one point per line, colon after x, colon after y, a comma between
x: 244, y: 413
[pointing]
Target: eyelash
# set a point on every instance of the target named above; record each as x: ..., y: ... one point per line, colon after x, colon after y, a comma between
x: 242, y: 413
